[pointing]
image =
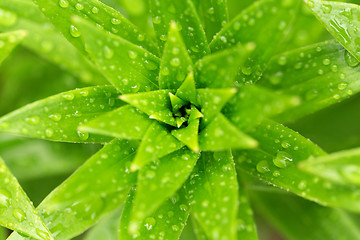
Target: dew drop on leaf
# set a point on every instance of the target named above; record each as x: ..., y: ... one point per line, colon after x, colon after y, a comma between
x: 5, y: 197
x: 74, y: 31
x: 19, y: 214
x: 282, y: 159
x: 7, y: 19
x: 63, y: 3
x: 262, y: 166
x: 351, y: 60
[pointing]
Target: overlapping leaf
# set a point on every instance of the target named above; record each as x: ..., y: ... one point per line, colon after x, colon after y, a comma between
x: 341, y: 20
x: 342, y: 167
x: 175, y: 62
x: 263, y: 26
x: 211, y: 187
x: 8, y: 41
x: 252, y: 104
x: 16, y: 211
x: 128, y: 67
x: 98, y: 187
x: 124, y: 123
x: 280, y: 209
x: 215, y: 15
x: 321, y: 74
x: 281, y: 149
x: 52, y: 45
x: 56, y: 118
x: 184, y: 14
x: 158, y: 181
x: 221, y: 135
x: 166, y: 223
x: 96, y: 12
x: 156, y: 143
x: 30, y: 159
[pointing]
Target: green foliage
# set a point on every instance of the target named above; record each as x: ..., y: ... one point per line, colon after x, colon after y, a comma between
x: 192, y: 121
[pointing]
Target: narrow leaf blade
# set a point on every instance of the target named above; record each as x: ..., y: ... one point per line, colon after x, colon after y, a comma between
x: 92, y: 197
x: 253, y: 25
x: 159, y: 181
x: 212, y: 186
x: 56, y: 118
x: 115, y: 57
x: 16, y: 211
x: 184, y: 14
x: 166, y: 223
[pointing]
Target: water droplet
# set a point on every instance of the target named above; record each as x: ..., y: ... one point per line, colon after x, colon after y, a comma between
x: 115, y: 21
x: 74, y: 31
x: 183, y: 207
x: 33, y: 120
x: 55, y: 117
x: 63, y: 3
x: 84, y: 93
x: 42, y: 234
x: 276, y: 173
x: 19, y: 214
x: 150, y: 65
x: 157, y: 20
x: 5, y: 197
x: 68, y: 96
x: 95, y: 10
x: 149, y: 223
x: 342, y: 85
x: 79, y: 6
x: 262, y: 166
x: 175, y: 228
x: 302, y: 185
x: 83, y: 135
x: 351, y: 60
x: 175, y: 62
x: 326, y: 8
x: 282, y: 159
x: 326, y: 61
x: 49, y: 132
x: 132, y: 54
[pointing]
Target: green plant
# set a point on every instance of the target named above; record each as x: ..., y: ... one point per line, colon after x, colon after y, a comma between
x: 185, y: 122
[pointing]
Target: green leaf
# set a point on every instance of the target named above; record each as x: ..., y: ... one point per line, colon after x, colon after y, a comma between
x: 215, y: 14
x: 130, y: 124
x: 187, y: 90
x: 158, y: 181
x: 156, y: 143
x: 219, y: 70
x: 96, y: 12
x: 30, y: 159
x: 280, y: 209
x: 176, y: 103
x: 166, y: 223
x: 221, y: 135
x: 189, y: 135
x: 128, y: 67
x: 156, y: 104
x: 51, y: 45
x: 184, y: 14
x: 280, y: 149
x: 212, y: 101
x: 107, y: 228
x: 341, y: 167
x: 96, y: 188
x: 175, y: 62
x: 252, y: 104
x: 56, y: 118
x: 341, y: 20
x: 198, y: 230
x: 213, y: 194
x: 8, y: 41
x: 17, y: 212
x: 254, y: 26
x: 321, y: 75
x: 246, y: 228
